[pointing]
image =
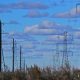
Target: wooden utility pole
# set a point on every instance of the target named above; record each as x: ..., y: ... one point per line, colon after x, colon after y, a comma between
x: 0, y: 45
x: 3, y: 60
x: 24, y: 64
x: 13, y: 57
x: 20, y: 56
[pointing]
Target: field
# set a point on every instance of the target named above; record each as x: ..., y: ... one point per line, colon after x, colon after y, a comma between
x: 36, y: 73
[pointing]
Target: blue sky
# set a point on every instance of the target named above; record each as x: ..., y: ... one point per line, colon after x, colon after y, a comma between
x: 34, y: 25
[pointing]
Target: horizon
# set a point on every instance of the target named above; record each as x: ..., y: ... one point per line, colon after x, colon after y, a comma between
x: 38, y: 26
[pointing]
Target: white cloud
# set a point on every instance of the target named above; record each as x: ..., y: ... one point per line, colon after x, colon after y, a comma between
x: 77, y: 34
x: 24, y: 5
x: 56, y: 38
x: 36, y: 14
x: 46, y: 28
x: 5, y: 10
x: 69, y: 14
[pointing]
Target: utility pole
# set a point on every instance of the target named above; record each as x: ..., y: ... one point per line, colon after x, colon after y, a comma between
x: 20, y: 57
x: 57, y: 53
x: 13, y: 57
x: 3, y: 60
x: 24, y: 64
x: 0, y: 45
x: 54, y: 61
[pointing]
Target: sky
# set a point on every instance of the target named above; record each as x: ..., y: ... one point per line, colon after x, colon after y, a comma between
x: 35, y: 25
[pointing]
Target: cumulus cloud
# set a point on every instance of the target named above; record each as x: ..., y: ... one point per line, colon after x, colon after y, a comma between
x: 24, y: 5
x: 59, y: 38
x: 36, y: 14
x: 47, y: 28
x: 77, y: 34
x: 73, y: 13
x: 20, y: 36
x: 38, y: 31
x: 56, y: 38
x: 4, y: 10
x: 14, y: 22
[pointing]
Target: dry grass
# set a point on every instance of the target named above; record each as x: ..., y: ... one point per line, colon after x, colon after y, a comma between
x: 36, y: 73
